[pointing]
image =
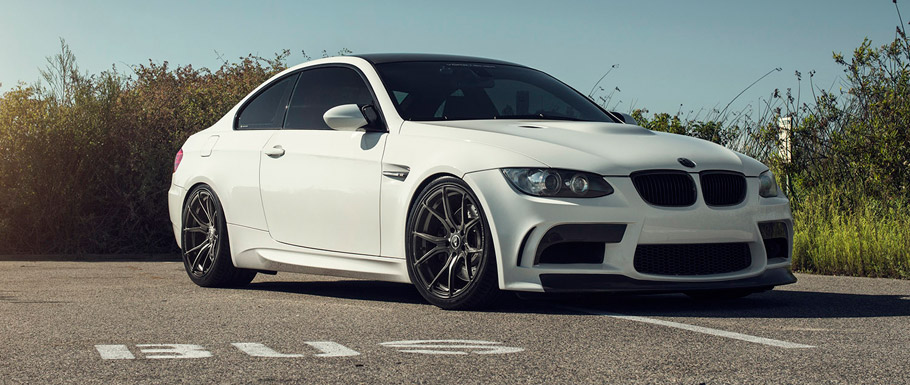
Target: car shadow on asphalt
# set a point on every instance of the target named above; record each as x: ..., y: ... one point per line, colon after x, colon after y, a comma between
x: 771, y: 304
x: 347, y: 289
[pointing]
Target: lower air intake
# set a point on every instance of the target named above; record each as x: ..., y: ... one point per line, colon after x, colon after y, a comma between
x: 692, y: 259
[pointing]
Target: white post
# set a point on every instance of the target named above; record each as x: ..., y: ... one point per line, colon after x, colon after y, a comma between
x: 786, y: 149
x: 785, y: 124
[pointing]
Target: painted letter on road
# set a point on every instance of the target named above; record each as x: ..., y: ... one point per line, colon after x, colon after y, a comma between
x: 158, y: 351
x: 260, y: 350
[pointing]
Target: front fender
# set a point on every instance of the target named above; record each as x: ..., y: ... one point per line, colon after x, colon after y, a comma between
x: 427, y: 158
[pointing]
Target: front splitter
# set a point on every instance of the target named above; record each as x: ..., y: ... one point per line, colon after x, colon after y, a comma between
x: 564, y: 283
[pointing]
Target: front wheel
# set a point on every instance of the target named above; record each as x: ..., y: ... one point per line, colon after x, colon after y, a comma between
x: 205, y: 246
x: 450, y: 253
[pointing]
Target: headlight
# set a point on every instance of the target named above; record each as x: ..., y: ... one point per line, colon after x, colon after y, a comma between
x: 551, y: 182
x: 767, y: 185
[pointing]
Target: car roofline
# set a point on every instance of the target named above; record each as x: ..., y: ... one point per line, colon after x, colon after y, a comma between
x: 381, y: 58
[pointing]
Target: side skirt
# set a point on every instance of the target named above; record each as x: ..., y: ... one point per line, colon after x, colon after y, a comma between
x: 255, y: 249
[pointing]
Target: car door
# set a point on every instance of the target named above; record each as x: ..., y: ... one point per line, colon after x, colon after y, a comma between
x: 320, y: 187
x: 235, y: 159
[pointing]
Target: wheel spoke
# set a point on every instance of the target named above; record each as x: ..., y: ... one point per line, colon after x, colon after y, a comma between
x: 193, y: 214
x: 199, y: 229
x: 209, y: 211
x: 446, y: 209
x: 430, y: 238
x: 472, y: 250
x: 432, y: 252
x: 209, y: 251
x: 201, y: 204
x: 452, y: 275
x: 197, y: 247
x: 463, y: 194
x: 438, y: 217
x: 467, y: 266
x: 202, y: 246
x: 470, y: 225
x: 439, y: 274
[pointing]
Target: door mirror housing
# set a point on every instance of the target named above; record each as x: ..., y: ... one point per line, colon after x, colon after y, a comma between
x: 350, y: 117
x: 346, y: 117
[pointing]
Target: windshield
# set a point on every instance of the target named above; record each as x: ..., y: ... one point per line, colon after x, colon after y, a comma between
x: 429, y: 91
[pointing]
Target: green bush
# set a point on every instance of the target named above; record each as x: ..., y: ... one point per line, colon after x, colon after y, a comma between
x: 85, y: 162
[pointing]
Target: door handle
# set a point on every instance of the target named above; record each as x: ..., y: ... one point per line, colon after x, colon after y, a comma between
x: 275, y: 152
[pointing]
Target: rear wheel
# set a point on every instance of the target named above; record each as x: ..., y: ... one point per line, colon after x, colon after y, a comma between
x: 450, y: 253
x: 205, y: 246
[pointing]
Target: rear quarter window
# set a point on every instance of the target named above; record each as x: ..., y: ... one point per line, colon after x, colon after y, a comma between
x: 267, y: 109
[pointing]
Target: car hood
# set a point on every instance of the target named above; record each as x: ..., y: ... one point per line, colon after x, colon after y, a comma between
x: 604, y: 148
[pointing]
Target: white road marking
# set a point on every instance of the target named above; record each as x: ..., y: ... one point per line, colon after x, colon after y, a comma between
x: 451, y: 347
x: 159, y: 351
x: 697, y: 329
x: 260, y: 350
x: 325, y: 348
x: 332, y: 349
x: 114, y: 352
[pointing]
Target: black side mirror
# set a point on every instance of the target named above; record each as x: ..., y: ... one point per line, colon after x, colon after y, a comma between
x: 626, y: 118
x: 374, y: 122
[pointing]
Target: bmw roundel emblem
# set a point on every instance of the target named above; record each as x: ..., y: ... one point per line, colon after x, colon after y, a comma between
x: 686, y: 162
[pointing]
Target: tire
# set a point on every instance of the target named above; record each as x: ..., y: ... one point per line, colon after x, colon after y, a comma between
x: 204, y: 242
x: 449, y: 248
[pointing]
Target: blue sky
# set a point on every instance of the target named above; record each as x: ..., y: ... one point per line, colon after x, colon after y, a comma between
x: 698, y: 54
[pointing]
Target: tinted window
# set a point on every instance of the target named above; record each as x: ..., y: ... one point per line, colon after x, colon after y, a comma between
x: 465, y: 91
x: 320, y: 89
x: 266, y: 110
x: 512, y: 97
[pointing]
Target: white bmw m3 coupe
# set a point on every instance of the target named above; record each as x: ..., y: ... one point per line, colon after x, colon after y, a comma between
x: 467, y: 177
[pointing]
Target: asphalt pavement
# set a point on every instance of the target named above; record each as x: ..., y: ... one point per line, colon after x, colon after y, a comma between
x: 145, y: 322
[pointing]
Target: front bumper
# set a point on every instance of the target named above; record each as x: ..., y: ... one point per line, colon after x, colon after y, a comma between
x: 521, y: 226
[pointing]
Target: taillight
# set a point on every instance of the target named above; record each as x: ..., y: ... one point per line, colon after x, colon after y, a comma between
x: 177, y: 159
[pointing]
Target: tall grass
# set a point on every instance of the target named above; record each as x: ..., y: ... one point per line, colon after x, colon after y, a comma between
x: 871, y: 239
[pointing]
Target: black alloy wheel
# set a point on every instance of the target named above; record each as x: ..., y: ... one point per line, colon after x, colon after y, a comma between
x: 450, y: 253
x: 205, y: 245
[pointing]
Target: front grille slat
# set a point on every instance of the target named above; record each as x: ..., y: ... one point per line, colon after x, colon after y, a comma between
x: 721, y: 188
x: 665, y: 188
x: 677, y: 188
x: 692, y: 259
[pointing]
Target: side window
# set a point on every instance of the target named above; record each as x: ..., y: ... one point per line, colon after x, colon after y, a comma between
x: 320, y: 89
x: 266, y: 111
